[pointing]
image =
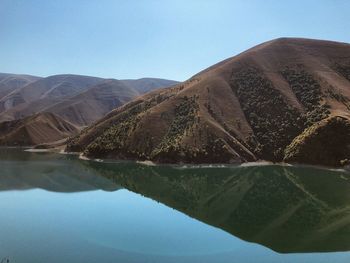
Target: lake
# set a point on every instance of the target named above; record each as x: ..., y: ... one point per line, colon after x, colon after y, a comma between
x: 57, y: 208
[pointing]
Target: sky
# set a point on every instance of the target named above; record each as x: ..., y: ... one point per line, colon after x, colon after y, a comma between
x: 153, y: 38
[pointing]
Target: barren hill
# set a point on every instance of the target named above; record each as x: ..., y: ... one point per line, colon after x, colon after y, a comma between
x: 37, y: 129
x: 34, y: 97
x: 93, y: 104
x: 69, y: 95
x: 11, y: 82
x: 245, y: 108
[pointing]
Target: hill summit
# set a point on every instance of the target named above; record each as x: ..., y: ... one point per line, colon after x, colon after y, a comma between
x: 270, y: 102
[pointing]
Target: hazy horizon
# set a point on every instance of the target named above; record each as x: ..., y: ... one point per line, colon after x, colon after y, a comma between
x: 162, y: 39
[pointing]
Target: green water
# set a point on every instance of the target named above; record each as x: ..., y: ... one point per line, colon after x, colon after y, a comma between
x: 56, y: 208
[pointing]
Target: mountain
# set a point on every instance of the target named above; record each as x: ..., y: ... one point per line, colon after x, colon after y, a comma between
x: 79, y: 99
x: 94, y: 103
x: 248, y: 107
x: 37, y: 129
x: 37, y: 95
x: 145, y: 85
x: 11, y: 82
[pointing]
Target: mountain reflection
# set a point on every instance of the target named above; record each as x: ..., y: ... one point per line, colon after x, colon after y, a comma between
x: 288, y: 209
x: 59, y: 173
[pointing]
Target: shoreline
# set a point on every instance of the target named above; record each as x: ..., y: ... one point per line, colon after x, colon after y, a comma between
x: 259, y: 163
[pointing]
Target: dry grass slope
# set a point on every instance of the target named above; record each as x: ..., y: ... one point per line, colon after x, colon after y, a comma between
x: 245, y: 108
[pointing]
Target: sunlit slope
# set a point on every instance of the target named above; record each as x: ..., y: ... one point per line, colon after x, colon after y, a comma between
x: 242, y: 109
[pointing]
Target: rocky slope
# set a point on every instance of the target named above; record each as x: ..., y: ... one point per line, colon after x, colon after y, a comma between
x: 37, y: 129
x: 245, y: 108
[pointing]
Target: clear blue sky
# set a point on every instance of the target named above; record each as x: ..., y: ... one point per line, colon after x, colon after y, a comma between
x: 155, y: 38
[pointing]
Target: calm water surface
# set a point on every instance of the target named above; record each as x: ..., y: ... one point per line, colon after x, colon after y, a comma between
x: 56, y: 208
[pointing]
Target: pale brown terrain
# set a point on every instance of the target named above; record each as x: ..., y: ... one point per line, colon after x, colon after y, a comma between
x: 93, y: 104
x: 145, y: 85
x: 38, y: 95
x: 37, y: 129
x: 12, y: 82
x: 245, y: 108
x: 78, y: 99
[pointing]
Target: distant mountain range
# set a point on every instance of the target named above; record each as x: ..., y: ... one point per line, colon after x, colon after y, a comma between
x: 286, y: 99
x: 78, y: 99
x: 92, y: 104
x: 11, y: 82
x: 36, y: 110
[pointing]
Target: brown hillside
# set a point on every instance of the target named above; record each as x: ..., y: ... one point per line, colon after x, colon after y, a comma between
x: 36, y: 129
x: 11, y: 82
x: 145, y: 85
x: 329, y: 139
x: 245, y: 108
x: 78, y: 99
x: 93, y: 104
x: 38, y: 95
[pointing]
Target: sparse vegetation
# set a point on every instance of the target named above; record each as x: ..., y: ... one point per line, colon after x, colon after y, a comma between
x: 273, y: 121
x: 339, y: 97
x: 343, y: 69
x: 203, y: 121
x: 308, y: 92
x: 327, y: 143
x: 114, y: 139
x: 185, y: 117
x: 304, y: 86
x: 316, y: 114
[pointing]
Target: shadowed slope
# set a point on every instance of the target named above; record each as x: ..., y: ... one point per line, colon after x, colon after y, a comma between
x: 326, y: 142
x: 36, y: 129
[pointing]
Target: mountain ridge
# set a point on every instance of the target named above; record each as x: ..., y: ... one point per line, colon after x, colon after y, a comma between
x: 245, y: 108
x: 42, y: 94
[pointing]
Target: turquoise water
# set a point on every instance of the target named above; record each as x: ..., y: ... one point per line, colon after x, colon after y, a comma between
x: 56, y: 208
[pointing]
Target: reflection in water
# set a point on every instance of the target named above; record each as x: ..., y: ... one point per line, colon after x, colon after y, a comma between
x: 288, y: 209
x: 58, y: 173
